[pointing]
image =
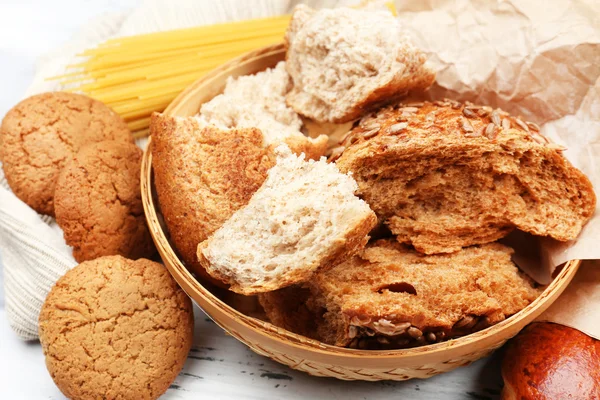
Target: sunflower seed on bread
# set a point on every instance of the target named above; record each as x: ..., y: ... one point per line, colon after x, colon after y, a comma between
x: 466, y: 180
x: 410, y: 299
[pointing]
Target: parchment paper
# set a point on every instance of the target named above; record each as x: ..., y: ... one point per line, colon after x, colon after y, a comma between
x: 541, y: 60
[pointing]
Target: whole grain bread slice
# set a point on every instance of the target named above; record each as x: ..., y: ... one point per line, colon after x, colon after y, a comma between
x: 344, y: 62
x: 389, y: 296
x: 446, y: 175
x: 304, y: 218
x: 202, y: 176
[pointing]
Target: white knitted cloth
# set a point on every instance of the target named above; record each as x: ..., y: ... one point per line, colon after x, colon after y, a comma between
x: 32, y: 248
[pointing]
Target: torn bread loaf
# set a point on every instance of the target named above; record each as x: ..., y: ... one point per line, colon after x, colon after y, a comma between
x: 390, y: 296
x: 443, y: 176
x: 304, y: 218
x: 258, y: 101
x: 344, y: 62
x: 202, y: 176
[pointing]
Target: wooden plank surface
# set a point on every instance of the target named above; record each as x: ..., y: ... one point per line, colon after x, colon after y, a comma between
x: 220, y: 367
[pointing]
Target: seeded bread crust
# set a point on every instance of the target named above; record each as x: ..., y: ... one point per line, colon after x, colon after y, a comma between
x: 202, y: 176
x: 342, y: 67
x: 41, y: 134
x: 445, y: 175
x: 392, y: 297
x: 114, y: 328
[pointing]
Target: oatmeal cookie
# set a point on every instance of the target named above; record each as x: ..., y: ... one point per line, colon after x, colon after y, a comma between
x: 41, y: 134
x: 115, y: 328
x: 98, y: 202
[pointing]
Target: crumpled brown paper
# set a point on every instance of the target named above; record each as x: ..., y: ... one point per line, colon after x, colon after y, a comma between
x: 540, y: 60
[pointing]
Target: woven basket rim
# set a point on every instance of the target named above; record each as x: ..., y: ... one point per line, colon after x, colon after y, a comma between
x: 201, y: 294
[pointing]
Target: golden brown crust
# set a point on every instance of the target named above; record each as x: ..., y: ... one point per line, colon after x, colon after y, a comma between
x: 116, y: 328
x: 397, y: 88
x: 98, y: 203
x: 548, y: 361
x: 441, y: 289
x: 313, y: 149
x: 202, y: 176
x: 444, y: 175
x: 41, y: 134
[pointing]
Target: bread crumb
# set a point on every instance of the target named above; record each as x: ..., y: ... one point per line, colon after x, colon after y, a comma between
x: 257, y: 101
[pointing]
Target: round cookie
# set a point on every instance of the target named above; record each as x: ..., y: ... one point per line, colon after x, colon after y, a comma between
x: 43, y: 132
x: 115, y: 328
x: 98, y: 202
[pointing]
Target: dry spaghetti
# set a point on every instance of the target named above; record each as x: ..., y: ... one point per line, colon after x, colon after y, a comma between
x: 137, y: 75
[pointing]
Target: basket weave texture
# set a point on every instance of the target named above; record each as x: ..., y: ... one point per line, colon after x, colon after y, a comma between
x: 299, y: 352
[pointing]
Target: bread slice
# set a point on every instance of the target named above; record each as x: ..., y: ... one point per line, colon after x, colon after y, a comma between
x: 389, y: 296
x: 304, y: 218
x: 344, y: 62
x: 202, y: 176
x: 258, y: 101
x: 443, y: 176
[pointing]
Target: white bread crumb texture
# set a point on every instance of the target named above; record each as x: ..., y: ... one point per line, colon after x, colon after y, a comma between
x: 336, y: 56
x: 303, y: 209
x: 255, y: 101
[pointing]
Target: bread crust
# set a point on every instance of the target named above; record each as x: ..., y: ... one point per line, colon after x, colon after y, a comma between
x: 313, y: 148
x: 446, y: 175
x: 547, y: 361
x: 286, y: 308
x: 202, y: 176
x: 389, y: 296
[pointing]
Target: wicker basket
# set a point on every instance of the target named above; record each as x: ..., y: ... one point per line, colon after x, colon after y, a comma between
x: 297, y: 351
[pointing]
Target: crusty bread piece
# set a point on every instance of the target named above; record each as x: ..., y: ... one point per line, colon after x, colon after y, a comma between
x: 444, y: 176
x: 202, y: 176
x: 548, y: 361
x: 258, y: 101
x: 304, y: 218
x: 390, y: 296
x: 344, y: 62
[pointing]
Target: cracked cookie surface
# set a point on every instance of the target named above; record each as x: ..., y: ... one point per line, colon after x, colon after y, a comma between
x: 98, y: 202
x: 43, y: 132
x: 115, y: 328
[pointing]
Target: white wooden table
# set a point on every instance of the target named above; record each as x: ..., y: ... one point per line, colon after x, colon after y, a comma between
x: 218, y: 367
